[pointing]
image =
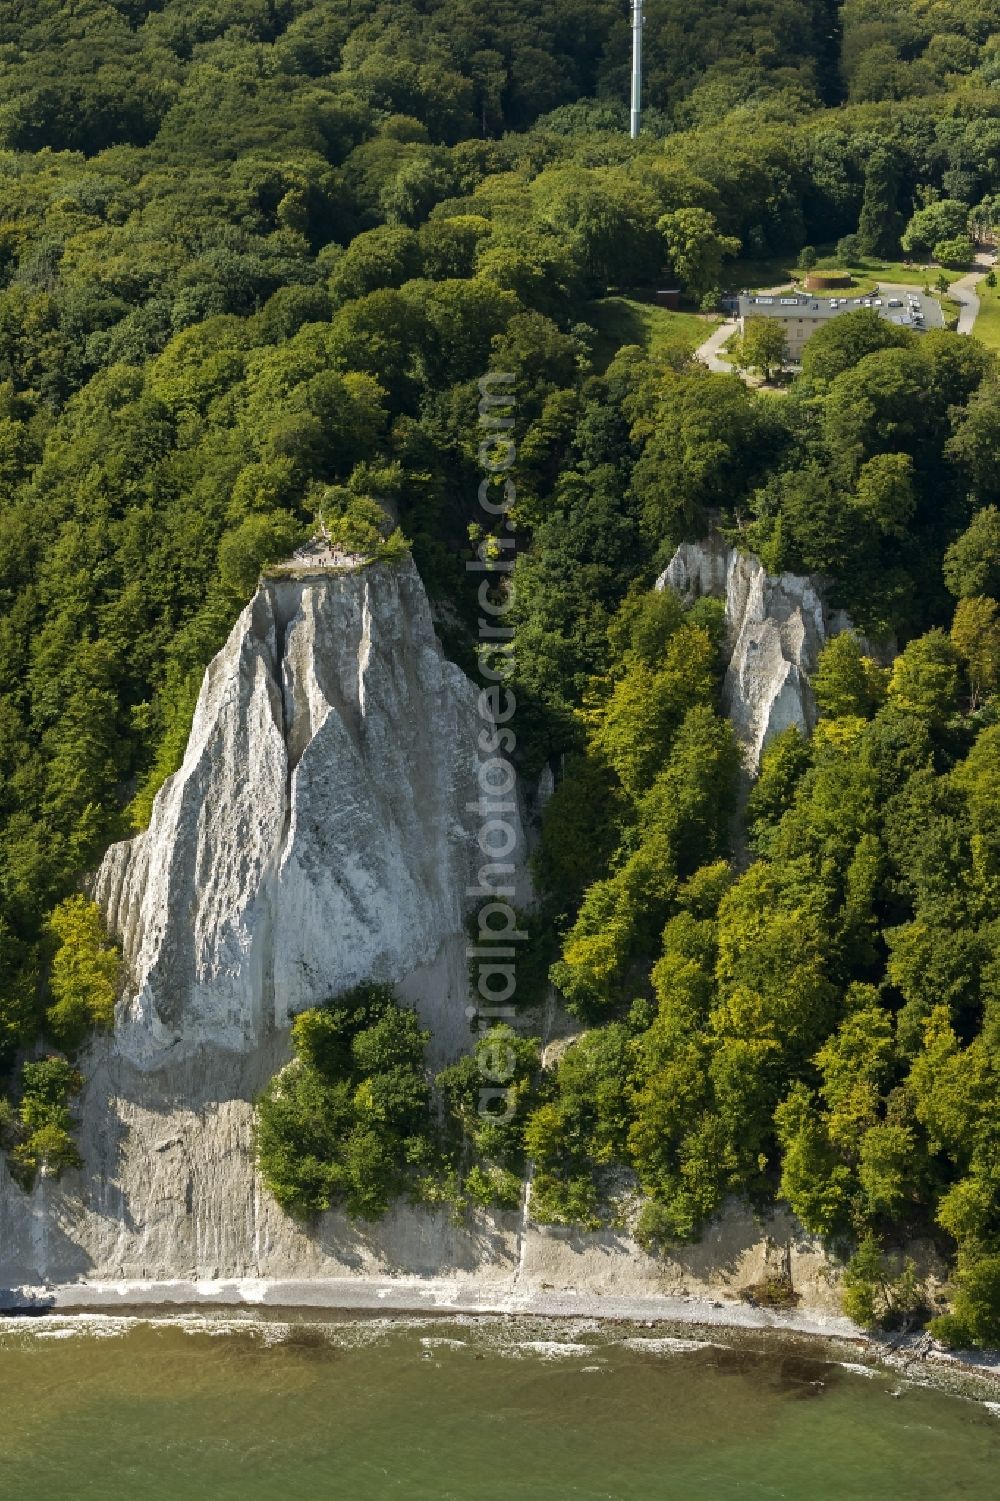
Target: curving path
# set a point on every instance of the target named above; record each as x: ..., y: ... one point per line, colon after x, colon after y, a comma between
x: 965, y: 291
x: 708, y: 353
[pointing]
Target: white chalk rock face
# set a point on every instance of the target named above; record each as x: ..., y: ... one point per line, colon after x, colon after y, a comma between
x: 322, y: 828
x: 776, y: 626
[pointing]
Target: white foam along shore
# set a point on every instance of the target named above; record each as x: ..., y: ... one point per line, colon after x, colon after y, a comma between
x: 915, y: 1356
x: 415, y: 1295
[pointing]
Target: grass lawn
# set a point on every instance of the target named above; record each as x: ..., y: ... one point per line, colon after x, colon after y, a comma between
x: 865, y: 274
x: 987, y: 328
x: 725, y: 354
x: 624, y: 320
x: 951, y: 310
x: 898, y: 274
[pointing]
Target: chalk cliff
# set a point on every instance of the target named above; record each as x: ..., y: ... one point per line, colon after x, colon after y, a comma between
x: 322, y: 830
x: 319, y: 831
x: 776, y: 627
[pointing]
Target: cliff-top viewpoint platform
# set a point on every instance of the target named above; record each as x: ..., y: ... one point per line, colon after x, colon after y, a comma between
x: 318, y: 555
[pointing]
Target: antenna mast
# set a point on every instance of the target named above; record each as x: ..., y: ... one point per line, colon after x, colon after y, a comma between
x: 636, y: 65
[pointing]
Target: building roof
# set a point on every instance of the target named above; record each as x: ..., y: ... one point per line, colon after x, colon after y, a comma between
x: 907, y: 309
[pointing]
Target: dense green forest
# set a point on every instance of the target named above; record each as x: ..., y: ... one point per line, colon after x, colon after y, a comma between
x: 254, y: 255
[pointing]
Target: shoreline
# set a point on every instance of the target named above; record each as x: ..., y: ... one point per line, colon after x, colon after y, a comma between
x: 914, y: 1355
x: 414, y: 1295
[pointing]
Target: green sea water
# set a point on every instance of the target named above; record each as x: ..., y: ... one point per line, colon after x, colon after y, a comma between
x: 466, y: 1411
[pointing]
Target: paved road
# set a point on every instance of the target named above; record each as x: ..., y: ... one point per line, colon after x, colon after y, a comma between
x: 708, y: 353
x: 965, y: 292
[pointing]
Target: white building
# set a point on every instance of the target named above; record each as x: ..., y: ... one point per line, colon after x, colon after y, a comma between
x: 801, y: 314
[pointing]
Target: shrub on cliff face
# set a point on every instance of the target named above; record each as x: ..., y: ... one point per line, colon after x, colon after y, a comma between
x: 36, y: 1127
x: 348, y: 1117
x: 83, y: 980
x: 39, y: 1133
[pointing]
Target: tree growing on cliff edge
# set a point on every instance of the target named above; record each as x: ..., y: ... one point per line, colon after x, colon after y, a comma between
x: 38, y: 1134
x: 258, y: 540
x: 85, y: 972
